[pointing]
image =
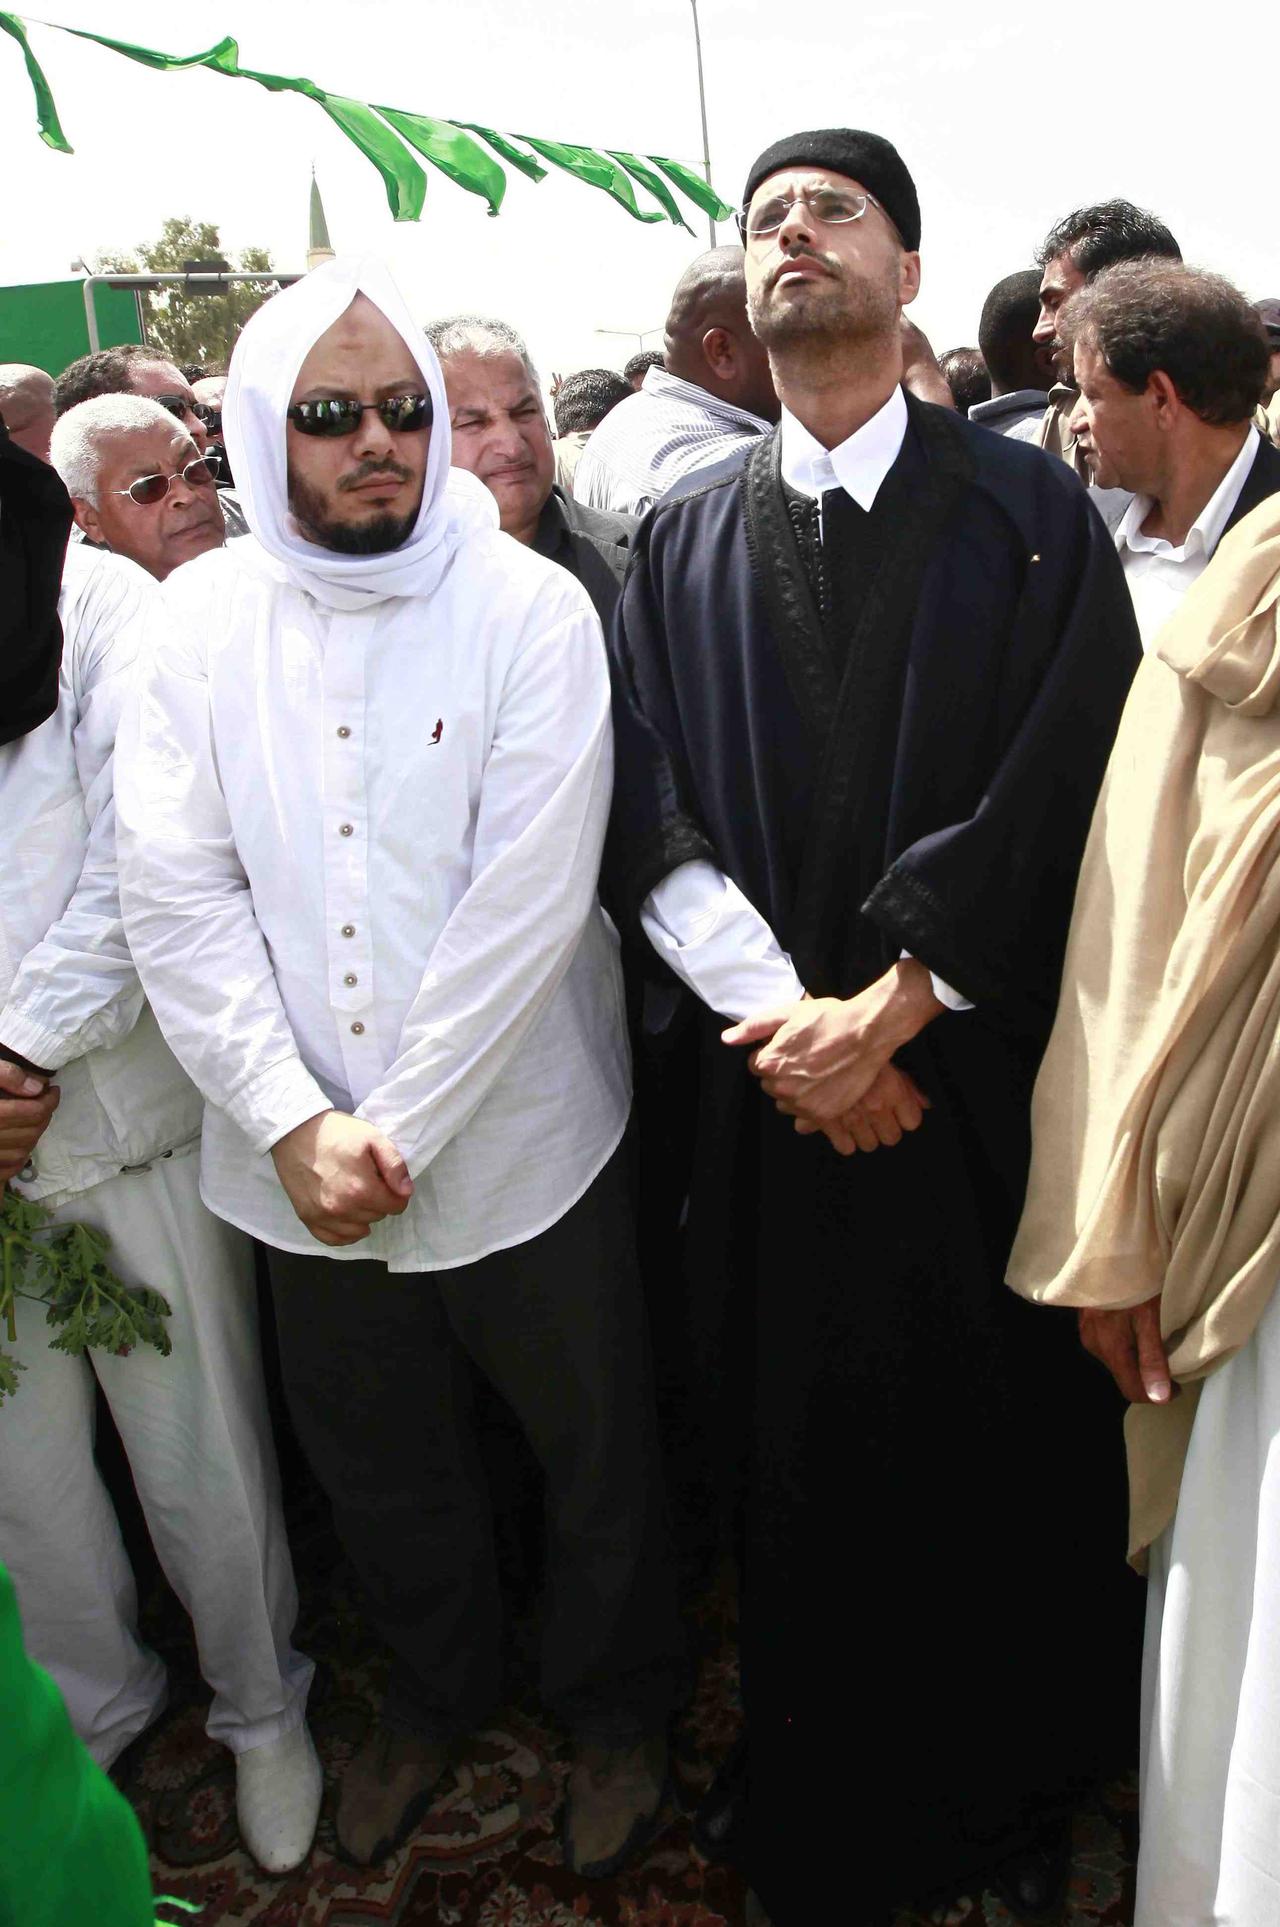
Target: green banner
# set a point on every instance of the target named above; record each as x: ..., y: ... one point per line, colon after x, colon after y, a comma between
x: 389, y: 138
x: 454, y: 152
x: 46, y: 113
x: 597, y: 170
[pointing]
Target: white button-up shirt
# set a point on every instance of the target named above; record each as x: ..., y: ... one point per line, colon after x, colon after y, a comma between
x: 697, y: 919
x: 359, y: 854
x: 1158, y: 574
x: 70, y: 1000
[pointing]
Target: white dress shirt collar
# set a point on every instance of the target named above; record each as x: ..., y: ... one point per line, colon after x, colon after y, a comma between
x: 1206, y: 531
x: 857, y: 465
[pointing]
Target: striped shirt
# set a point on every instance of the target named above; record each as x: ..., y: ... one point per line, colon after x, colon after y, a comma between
x: 655, y: 438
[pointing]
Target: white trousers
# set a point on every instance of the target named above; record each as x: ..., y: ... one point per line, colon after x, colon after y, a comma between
x: 1210, y: 1852
x: 195, y: 1428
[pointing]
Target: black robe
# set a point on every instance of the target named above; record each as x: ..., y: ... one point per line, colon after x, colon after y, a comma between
x: 35, y: 520
x: 935, y: 1508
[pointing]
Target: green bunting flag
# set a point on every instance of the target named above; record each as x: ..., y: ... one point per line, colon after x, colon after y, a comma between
x: 386, y: 136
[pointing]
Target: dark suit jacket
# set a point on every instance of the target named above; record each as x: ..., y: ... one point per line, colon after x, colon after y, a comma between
x: 592, y: 544
x: 1262, y: 480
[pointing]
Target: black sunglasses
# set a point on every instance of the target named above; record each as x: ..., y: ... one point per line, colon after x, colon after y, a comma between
x: 179, y: 406
x: 150, y: 489
x: 402, y: 414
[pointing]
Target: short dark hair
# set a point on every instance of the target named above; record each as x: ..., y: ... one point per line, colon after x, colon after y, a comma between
x: 1144, y: 316
x: 108, y: 372
x: 1004, y: 332
x: 1096, y: 237
x: 965, y: 373
x: 583, y: 400
x: 641, y: 364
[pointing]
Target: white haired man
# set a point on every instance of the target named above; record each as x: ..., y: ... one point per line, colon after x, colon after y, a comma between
x: 99, y: 1124
x: 139, y: 484
x: 136, y: 369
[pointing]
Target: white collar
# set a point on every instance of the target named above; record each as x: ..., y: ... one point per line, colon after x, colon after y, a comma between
x: 1206, y: 531
x: 858, y: 465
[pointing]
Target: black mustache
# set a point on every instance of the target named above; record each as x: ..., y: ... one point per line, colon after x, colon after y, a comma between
x: 805, y: 254
x: 369, y: 469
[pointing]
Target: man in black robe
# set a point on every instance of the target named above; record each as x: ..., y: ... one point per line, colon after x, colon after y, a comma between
x: 867, y: 677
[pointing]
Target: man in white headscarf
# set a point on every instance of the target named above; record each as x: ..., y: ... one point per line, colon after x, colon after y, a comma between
x: 362, y: 807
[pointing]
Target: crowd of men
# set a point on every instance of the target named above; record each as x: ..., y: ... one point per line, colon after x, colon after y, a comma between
x: 370, y: 821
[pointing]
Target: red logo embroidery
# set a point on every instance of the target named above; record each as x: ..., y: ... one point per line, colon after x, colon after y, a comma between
x: 438, y: 731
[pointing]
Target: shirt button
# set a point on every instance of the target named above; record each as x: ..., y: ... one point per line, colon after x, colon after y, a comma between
x: 28, y: 1172
x: 348, y: 930
x: 343, y: 731
x: 350, y: 979
x: 357, y: 1029
x: 345, y: 829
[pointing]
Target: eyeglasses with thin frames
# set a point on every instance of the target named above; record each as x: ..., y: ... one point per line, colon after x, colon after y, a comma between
x: 150, y: 489
x: 829, y: 206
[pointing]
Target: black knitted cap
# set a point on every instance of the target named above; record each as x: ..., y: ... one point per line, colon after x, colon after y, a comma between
x: 867, y: 158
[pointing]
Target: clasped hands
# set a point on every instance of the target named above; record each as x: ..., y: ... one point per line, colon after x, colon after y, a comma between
x: 827, y: 1061
x: 342, y: 1176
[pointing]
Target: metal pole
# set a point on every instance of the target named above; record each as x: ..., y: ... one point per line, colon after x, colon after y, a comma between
x: 702, y: 104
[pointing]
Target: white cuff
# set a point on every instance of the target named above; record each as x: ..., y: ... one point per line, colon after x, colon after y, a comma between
x: 274, y: 1102
x: 943, y: 992
x: 717, y: 943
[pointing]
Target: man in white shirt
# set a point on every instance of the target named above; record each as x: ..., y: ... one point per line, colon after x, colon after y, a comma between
x: 362, y: 808
x: 133, y: 368
x: 1170, y: 362
x: 139, y: 484
x: 114, y: 1144
x: 714, y: 393
x: 866, y: 680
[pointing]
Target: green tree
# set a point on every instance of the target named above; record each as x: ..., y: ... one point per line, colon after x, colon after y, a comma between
x: 193, y: 327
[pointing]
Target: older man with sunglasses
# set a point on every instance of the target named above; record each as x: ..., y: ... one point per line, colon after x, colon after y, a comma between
x: 362, y: 808
x: 136, y: 369
x: 140, y: 485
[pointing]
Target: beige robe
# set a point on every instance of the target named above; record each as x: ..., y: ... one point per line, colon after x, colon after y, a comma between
x: 1156, y: 1121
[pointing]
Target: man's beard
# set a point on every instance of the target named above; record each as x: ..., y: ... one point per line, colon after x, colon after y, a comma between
x: 375, y: 537
x: 833, y: 309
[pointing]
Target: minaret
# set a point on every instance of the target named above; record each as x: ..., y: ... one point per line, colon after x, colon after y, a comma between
x: 319, y: 248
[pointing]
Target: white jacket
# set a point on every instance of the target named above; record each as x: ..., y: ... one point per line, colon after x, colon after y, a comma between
x: 70, y: 1000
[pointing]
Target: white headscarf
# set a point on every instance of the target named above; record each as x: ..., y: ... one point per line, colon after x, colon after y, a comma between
x: 264, y: 368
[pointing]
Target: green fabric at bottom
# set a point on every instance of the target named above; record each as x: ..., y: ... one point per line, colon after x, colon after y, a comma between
x: 72, y: 1852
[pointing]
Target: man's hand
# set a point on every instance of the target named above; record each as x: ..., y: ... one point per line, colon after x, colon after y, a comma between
x: 820, y: 1057
x: 893, y: 1105
x: 1130, y: 1346
x: 26, y: 1107
x: 342, y: 1176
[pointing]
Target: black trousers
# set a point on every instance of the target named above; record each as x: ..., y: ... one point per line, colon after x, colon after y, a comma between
x: 376, y: 1373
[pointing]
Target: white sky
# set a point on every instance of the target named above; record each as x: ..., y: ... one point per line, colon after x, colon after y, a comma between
x: 1004, y: 127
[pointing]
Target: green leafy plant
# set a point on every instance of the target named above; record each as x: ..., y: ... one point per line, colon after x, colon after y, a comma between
x: 64, y: 1268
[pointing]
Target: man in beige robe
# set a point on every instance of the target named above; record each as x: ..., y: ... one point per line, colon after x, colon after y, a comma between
x: 1154, y: 1208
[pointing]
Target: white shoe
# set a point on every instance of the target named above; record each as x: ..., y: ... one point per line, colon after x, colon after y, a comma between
x: 278, y: 1789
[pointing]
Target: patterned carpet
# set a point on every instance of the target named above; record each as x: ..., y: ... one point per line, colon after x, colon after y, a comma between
x: 488, y: 1854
